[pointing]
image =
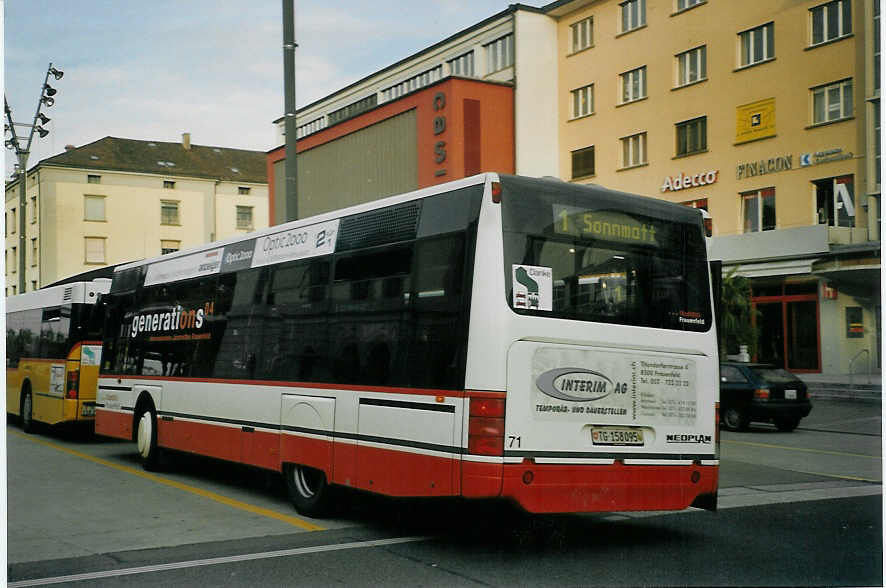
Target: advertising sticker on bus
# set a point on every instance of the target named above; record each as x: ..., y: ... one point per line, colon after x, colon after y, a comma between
x: 533, y: 287
x: 613, y: 388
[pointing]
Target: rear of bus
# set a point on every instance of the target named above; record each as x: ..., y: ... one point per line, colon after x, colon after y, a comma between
x: 53, y: 342
x: 592, y: 357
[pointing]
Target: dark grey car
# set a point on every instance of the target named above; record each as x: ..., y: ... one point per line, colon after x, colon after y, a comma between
x: 761, y: 392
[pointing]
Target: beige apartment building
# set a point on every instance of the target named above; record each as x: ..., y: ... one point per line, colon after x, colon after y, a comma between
x: 118, y: 200
x: 766, y: 114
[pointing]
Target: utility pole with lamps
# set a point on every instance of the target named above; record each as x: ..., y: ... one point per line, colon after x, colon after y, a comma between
x: 22, y: 152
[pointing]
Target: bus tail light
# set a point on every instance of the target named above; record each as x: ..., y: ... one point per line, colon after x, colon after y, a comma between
x: 486, y: 426
x: 761, y: 394
x: 73, y: 384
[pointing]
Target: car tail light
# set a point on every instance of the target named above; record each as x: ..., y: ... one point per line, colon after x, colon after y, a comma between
x: 761, y: 394
x: 486, y: 426
x: 496, y: 192
x: 73, y: 384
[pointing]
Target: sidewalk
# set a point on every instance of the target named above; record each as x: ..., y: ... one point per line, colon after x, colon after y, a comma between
x: 865, y: 387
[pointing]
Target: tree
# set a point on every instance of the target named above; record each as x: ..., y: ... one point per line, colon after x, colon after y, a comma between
x: 737, y: 324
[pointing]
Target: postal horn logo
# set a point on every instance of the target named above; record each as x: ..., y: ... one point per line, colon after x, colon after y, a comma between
x: 574, y: 384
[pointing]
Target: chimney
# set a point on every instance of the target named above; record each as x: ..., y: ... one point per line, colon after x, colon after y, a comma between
x: 69, y: 147
x: 186, y: 141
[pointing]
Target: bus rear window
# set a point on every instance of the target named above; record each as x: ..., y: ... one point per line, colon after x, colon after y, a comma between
x: 576, y: 252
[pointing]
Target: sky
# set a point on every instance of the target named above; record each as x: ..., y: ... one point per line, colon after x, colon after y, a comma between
x: 213, y: 68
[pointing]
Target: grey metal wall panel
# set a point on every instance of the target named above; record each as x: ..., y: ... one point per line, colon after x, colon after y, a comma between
x: 374, y: 162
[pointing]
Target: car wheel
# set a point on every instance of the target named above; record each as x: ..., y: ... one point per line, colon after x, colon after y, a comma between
x: 787, y: 424
x: 146, y: 439
x: 308, y: 489
x: 27, y: 413
x: 735, y: 419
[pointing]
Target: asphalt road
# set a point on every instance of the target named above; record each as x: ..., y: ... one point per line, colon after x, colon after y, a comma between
x: 801, y: 508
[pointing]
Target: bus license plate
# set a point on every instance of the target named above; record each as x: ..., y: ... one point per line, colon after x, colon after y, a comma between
x: 616, y: 436
x: 88, y: 410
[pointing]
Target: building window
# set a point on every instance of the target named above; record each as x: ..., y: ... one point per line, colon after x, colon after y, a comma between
x: 353, y: 109
x: 633, y: 85
x: 463, y: 65
x: 692, y: 136
x: 243, y: 190
x: 93, y: 179
x: 686, y: 4
x: 94, y: 208
x: 633, y: 15
x: 583, y: 101
x: 832, y: 102
x: 244, y: 217
x: 34, y: 253
x: 95, y: 249
x: 14, y: 259
x: 757, y: 45
x: 168, y: 185
x: 583, y: 162
x: 412, y: 84
x: 312, y: 127
x: 835, y: 201
x: 13, y: 290
x: 33, y: 209
x: 692, y: 66
x: 759, y: 210
x: 831, y: 21
x: 701, y: 203
x: 12, y: 221
x: 167, y: 247
x: 582, y: 34
x: 169, y: 212
x: 33, y: 285
x: 633, y: 150
x: 500, y: 54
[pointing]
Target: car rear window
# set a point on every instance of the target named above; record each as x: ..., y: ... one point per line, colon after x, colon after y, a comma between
x: 775, y: 375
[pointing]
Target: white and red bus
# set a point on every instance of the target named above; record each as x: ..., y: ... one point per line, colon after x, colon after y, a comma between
x: 496, y: 336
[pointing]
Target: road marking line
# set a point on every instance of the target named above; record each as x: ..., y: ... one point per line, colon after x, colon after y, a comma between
x: 178, y: 485
x: 214, y: 561
x: 853, y: 478
x: 803, y: 449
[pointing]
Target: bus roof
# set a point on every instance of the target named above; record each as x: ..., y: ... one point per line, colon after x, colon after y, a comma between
x: 76, y: 293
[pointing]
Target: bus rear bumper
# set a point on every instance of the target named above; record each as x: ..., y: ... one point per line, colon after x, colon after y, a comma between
x: 552, y: 488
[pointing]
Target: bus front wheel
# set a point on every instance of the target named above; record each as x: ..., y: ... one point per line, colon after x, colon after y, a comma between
x: 308, y: 489
x: 27, y: 412
x: 146, y: 439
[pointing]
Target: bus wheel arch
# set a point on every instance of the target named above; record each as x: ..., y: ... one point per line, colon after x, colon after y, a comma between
x: 26, y: 407
x: 309, y: 490
x: 144, y: 432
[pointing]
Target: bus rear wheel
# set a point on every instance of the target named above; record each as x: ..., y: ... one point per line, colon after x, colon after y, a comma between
x: 27, y: 412
x: 308, y: 489
x: 146, y: 439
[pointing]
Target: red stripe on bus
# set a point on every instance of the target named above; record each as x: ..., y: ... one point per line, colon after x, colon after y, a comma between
x: 113, y: 424
x: 289, y: 384
x: 605, y: 488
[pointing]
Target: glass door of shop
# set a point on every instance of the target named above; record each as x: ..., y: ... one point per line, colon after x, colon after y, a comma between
x: 788, y: 321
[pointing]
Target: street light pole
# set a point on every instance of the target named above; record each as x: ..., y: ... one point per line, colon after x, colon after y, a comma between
x: 22, y: 153
x: 290, y: 128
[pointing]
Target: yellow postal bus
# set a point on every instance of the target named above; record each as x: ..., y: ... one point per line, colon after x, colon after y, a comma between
x: 53, y: 350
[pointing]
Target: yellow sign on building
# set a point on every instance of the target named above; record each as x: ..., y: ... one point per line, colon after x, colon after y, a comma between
x: 755, y: 120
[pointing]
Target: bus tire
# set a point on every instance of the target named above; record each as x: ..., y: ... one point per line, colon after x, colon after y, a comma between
x: 146, y: 438
x: 308, y: 489
x: 27, y: 411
